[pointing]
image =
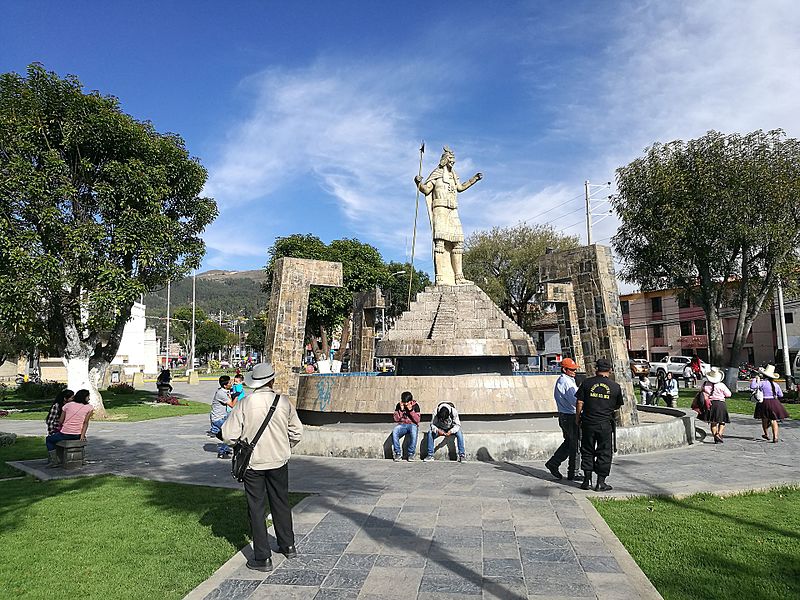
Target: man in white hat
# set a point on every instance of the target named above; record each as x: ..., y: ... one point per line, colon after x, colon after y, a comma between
x: 267, y: 478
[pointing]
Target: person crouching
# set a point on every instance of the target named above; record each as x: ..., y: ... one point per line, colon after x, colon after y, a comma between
x: 407, y: 416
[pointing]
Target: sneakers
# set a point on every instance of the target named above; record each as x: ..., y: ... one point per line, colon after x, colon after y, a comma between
x: 260, y: 565
x: 428, y: 458
x: 410, y: 458
x: 461, y: 458
x: 397, y: 458
x: 288, y: 552
x: 224, y: 455
x: 554, y: 471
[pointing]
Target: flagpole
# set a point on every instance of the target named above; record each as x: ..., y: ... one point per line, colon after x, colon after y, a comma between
x: 414, y: 236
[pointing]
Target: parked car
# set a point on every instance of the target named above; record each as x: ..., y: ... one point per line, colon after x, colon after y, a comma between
x: 675, y: 365
x: 639, y: 366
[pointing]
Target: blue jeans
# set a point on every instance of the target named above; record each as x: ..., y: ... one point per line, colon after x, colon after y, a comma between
x: 216, y: 427
x: 401, y: 430
x: 459, y: 441
x: 51, y: 440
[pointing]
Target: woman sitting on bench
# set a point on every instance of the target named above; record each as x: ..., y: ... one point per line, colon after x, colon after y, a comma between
x: 74, y: 421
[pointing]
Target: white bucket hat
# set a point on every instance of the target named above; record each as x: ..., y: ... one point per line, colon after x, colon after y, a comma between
x: 769, y: 371
x: 260, y: 376
x: 715, y: 375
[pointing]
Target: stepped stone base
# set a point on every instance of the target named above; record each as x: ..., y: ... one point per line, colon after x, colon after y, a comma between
x: 455, y: 320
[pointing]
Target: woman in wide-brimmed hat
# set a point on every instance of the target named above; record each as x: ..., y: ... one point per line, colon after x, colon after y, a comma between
x: 717, y: 392
x: 769, y: 410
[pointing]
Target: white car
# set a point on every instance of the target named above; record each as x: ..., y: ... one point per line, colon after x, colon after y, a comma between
x: 675, y: 365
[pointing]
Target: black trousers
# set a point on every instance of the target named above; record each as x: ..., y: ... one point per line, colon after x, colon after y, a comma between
x: 568, y: 450
x: 270, y: 485
x: 596, y: 448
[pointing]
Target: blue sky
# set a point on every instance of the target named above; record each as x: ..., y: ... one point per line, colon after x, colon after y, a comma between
x: 309, y: 115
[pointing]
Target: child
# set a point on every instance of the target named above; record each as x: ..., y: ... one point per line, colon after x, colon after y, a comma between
x: 220, y: 405
x: 237, y: 391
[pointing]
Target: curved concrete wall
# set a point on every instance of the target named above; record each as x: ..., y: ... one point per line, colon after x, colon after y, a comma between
x: 493, y: 445
x: 471, y: 394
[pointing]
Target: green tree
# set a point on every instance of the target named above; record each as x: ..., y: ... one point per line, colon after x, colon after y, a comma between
x: 504, y: 263
x: 181, y: 324
x: 330, y: 309
x: 210, y: 337
x: 718, y: 217
x: 256, y: 336
x: 96, y: 208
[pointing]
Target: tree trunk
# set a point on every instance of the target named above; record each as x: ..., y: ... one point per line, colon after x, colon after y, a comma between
x: 81, y: 377
x: 345, y: 339
x: 715, y: 341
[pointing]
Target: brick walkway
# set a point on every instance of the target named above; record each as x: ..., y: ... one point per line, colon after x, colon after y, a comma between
x: 379, y: 529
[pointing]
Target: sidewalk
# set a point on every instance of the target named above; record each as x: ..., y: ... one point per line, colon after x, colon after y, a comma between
x: 439, y: 530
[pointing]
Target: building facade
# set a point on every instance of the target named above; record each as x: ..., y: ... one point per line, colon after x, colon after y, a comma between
x: 658, y: 324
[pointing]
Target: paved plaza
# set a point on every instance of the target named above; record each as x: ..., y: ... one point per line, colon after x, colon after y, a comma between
x: 379, y: 529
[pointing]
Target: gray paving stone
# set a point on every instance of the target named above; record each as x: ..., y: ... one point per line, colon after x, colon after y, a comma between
x: 532, y: 542
x: 357, y: 561
x: 233, y: 589
x: 334, y: 594
x: 452, y: 585
x: 349, y: 579
x: 504, y: 588
x: 400, y: 562
x: 268, y: 591
x: 322, y: 548
x: 502, y: 567
x: 314, y: 562
x: 600, y: 564
x: 296, y: 577
x: 548, y: 555
x: 548, y: 579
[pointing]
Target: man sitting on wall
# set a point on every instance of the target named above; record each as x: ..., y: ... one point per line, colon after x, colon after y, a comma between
x: 407, y: 416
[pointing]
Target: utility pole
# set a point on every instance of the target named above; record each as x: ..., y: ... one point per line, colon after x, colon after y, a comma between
x: 587, y: 189
x: 787, y: 367
x: 588, y: 213
x: 166, y: 352
x: 194, y: 297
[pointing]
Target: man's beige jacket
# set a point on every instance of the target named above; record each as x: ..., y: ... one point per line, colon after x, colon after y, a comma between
x: 284, y: 430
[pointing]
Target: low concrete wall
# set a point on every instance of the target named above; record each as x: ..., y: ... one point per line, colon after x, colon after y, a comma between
x: 496, y: 445
x: 472, y: 394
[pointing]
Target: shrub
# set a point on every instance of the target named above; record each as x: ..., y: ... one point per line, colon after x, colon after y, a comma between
x: 4, y: 413
x: 7, y: 439
x: 121, y: 388
x: 173, y: 400
x: 213, y: 364
x: 38, y: 391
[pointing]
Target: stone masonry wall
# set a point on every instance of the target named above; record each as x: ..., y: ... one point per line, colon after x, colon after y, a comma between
x: 288, y: 307
x: 590, y: 270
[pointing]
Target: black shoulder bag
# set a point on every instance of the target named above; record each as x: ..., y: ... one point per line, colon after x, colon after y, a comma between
x: 243, y: 450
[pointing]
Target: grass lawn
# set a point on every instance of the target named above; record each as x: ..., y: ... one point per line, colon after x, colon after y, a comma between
x: 120, y: 407
x: 25, y: 448
x: 709, y: 547
x: 738, y: 403
x: 113, y: 537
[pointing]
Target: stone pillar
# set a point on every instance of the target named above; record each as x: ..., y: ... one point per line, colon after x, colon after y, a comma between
x: 365, y: 311
x: 593, y: 327
x: 288, y: 307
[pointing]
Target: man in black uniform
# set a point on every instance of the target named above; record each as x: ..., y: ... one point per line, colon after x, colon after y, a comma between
x: 597, y: 399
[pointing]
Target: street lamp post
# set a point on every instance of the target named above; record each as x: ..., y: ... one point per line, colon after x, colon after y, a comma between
x: 194, y: 284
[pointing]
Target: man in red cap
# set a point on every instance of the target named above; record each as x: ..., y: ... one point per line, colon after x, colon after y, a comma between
x: 564, y: 394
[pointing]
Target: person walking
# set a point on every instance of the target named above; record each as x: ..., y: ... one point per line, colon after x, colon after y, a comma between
x: 407, y: 417
x: 716, y: 392
x: 596, y: 400
x: 564, y: 394
x: 697, y: 370
x: 769, y: 408
x: 267, y: 477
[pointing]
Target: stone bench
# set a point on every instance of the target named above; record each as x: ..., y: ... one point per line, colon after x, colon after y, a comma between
x: 71, y: 453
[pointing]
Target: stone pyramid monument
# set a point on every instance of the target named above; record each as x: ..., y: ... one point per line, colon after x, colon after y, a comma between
x: 454, y: 330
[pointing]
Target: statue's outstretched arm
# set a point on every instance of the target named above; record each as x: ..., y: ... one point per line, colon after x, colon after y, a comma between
x: 469, y: 183
x: 426, y: 188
